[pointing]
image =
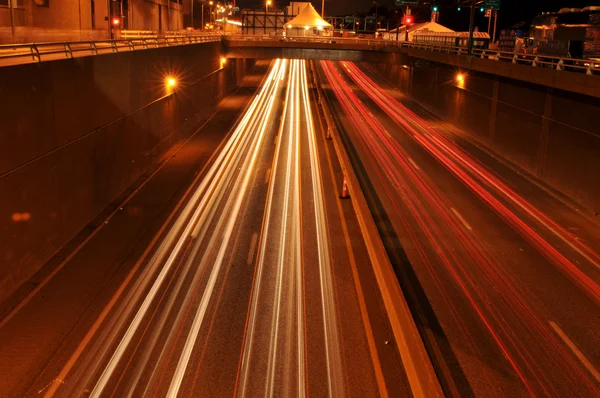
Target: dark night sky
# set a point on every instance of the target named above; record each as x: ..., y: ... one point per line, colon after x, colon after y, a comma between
x: 512, y: 11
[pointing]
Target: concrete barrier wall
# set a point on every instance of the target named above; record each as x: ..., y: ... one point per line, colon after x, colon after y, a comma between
x: 349, y: 54
x: 552, y: 134
x: 76, y: 133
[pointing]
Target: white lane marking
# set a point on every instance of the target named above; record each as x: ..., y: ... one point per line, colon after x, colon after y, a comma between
x: 576, y: 351
x: 252, y: 248
x: 268, y: 176
x: 462, y: 220
x: 413, y: 163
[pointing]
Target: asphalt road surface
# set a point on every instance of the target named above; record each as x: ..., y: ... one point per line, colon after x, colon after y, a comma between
x: 501, y: 275
x: 250, y: 278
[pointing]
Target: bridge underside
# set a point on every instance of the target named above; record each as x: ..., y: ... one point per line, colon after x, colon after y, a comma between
x: 396, y: 58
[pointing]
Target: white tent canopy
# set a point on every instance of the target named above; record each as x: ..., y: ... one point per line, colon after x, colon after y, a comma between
x: 420, y: 27
x: 308, y: 19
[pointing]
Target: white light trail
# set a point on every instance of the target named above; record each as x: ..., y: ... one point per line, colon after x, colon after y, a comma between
x: 332, y: 340
x: 276, y: 317
x: 246, y: 138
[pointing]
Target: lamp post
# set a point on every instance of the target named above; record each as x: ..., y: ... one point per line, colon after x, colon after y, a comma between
x: 267, y: 4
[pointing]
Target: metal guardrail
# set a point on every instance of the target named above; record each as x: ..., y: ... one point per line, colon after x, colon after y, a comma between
x: 300, y: 39
x: 590, y: 67
x: 11, y: 54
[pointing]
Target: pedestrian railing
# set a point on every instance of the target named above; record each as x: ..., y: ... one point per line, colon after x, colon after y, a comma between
x: 11, y: 54
x: 589, y: 66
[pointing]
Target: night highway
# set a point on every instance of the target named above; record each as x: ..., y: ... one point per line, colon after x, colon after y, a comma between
x: 274, y: 198
x: 251, y: 278
x: 240, y: 267
x: 501, y: 274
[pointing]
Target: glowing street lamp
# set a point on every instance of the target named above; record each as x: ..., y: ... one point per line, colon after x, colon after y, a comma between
x: 170, y: 84
x: 268, y: 3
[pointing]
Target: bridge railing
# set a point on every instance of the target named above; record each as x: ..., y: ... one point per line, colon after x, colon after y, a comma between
x: 300, y: 39
x: 11, y: 54
x: 587, y: 66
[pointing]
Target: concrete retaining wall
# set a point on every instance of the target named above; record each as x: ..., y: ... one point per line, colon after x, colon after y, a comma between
x: 552, y: 134
x: 75, y: 133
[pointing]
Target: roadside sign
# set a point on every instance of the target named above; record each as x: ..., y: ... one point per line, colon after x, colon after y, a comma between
x: 236, y: 9
x: 407, y: 2
x: 492, y: 4
x: 488, y: 12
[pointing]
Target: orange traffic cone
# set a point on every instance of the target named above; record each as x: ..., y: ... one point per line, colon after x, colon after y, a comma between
x: 345, y: 194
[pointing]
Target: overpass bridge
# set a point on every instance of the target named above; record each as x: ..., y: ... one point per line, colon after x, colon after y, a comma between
x: 536, y: 69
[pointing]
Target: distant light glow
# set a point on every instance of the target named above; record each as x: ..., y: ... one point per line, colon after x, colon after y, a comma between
x: 171, y: 82
x: 116, y: 21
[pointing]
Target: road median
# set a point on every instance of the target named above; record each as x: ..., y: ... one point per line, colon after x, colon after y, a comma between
x: 417, y: 364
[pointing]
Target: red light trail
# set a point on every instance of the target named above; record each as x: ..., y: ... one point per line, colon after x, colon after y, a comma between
x: 467, y: 259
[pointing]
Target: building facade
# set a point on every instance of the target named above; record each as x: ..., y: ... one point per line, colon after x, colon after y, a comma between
x: 23, y: 21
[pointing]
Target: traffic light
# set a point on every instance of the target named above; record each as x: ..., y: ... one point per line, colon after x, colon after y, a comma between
x: 459, y: 8
x: 482, y: 9
x: 435, y: 8
x: 116, y: 22
x: 408, y: 20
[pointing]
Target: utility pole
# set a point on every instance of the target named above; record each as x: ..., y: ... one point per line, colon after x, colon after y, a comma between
x: 12, y: 19
x: 407, y: 21
x: 495, y: 23
x: 109, y: 18
x: 471, y: 28
x: 322, y: 8
x: 192, y: 12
